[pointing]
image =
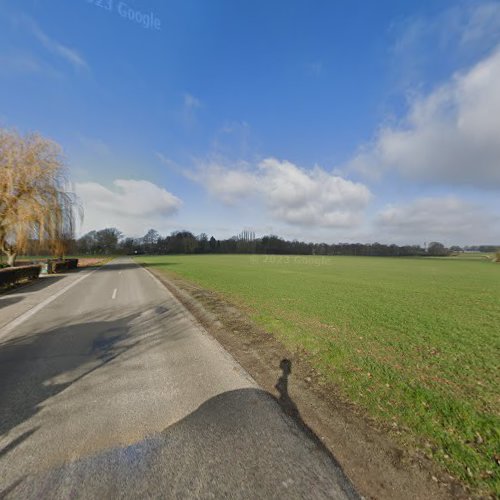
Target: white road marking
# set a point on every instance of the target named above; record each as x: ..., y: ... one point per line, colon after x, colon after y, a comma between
x: 23, y: 317
x: 114, y: 293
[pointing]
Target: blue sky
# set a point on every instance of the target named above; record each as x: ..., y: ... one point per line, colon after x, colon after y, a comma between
x: 325, y: 121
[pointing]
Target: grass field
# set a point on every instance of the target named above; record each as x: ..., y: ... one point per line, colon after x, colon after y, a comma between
x: 413, y: 341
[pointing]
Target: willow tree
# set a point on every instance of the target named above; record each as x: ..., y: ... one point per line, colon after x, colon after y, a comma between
x: 35, y: 204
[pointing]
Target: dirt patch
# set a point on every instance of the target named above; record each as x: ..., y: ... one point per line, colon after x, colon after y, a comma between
x: 92, y: 261
x: 368, y: 453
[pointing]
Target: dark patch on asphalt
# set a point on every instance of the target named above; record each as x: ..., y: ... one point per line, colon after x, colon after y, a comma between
x: 235, y: 445
x: 23, y: 389
x: 104, y: 347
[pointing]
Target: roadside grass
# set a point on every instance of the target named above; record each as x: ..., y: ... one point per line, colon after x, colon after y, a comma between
x: 413, y: 341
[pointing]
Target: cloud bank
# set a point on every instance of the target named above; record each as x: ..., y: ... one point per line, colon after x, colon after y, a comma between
x: 131, y: 205
x: 289, y: 193
x: 448, y: 219
x: 450, y: 136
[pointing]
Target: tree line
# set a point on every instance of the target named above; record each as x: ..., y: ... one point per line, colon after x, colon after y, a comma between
x: 111, y: 241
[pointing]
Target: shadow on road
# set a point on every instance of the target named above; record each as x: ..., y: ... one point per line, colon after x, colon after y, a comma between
x: 118, y: 266
x: 17, y: 442
x: 161, y: 264
x: 238, y: 444
x: 7, y: 301
x: 33, y: 286
x: 42, y: 282
x: 243, y: 443
x: 10, y: 488
x: 29, y: 364
x: 37, y: 367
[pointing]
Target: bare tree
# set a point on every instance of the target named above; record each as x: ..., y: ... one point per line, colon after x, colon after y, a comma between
x: 35, y: 203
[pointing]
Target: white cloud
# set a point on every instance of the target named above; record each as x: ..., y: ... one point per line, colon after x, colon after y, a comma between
x: 229, y: 185
x: 169, y: 163
x: 132, y: 205
x: 311, y: 197
x: 70, y: 55
x: 481, y: 23
x: 446, y: 219
x: 451, y: 135
x: 289, y: 193
x: 446, y: 39
x: 16, y: 61
x: 463, y: 26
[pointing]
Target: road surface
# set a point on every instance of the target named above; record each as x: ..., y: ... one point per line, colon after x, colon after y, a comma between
x: 110, y: 389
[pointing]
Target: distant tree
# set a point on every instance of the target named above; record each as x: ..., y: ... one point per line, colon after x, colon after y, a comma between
x: 456, y: 248
x: 437, y: 249
x: 86, y: 243
x: 212, y: 244
x: 189, y: 242
x: 151, y: 237
x: 203, y: 245
x: 128, y: 245
x: 488, y: 248
x: 182, y: 242
x: 162, y: 245
x: 35, y: 203
x: 106, y: 240
x: 149, y: 240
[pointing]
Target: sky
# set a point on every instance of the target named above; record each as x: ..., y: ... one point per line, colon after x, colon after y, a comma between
x: 327, y: 121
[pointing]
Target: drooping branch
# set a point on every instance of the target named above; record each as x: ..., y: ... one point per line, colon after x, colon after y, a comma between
x: 35, y: 202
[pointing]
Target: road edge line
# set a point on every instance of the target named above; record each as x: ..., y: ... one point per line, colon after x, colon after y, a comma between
x: 6, y: 329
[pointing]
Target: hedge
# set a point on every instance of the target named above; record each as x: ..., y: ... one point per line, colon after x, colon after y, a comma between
x: 13, y: 275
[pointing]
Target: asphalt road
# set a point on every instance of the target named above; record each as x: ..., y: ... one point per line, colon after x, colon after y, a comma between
x: 110, y: 389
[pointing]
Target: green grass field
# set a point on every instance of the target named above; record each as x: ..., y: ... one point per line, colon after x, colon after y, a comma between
x: 413, y: 341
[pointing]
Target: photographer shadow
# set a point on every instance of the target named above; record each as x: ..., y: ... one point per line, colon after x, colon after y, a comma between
x: 290, y: 408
